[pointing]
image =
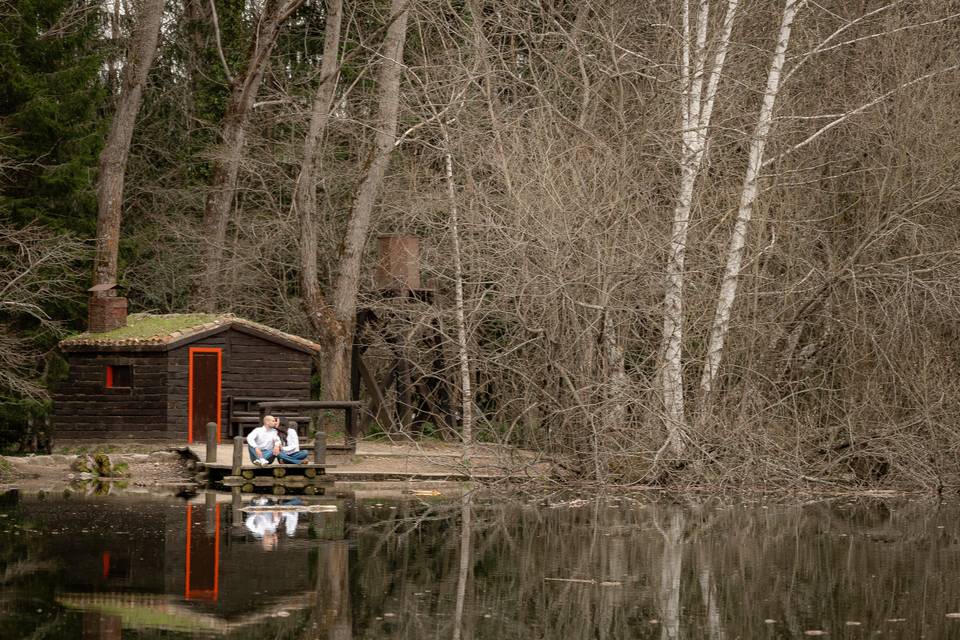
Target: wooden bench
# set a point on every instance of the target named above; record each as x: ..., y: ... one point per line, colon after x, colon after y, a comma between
x: 350, y: 409
x: 243, y: 414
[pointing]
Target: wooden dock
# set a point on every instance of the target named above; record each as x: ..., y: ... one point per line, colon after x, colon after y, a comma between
x: 240, y: 472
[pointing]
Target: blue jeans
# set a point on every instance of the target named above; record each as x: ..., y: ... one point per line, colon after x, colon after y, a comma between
x: 293, y: 458
x: 268, y: 455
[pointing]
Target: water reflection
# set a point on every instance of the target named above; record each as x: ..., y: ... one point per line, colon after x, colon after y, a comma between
x: 241, y: 567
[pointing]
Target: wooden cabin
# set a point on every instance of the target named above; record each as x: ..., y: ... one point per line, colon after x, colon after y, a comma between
x: 164, y: 377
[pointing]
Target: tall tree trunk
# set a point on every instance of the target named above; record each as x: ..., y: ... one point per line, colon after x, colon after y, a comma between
x: 466, y: 394
x: 304, y: 194
x: 336, y: 365
x: 113, y: 158
x: 615, y: 373
x: 748, y: 196
x: 243, y: 92
x: 696, y: 110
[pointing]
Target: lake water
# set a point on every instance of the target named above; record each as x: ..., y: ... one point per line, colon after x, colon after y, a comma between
x: 431, y: 567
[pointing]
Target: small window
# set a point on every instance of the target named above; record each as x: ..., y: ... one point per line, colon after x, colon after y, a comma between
x: 119, y: 376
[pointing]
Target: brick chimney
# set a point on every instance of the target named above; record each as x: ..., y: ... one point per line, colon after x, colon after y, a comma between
x: 107, y: 311
x: 399, y: 266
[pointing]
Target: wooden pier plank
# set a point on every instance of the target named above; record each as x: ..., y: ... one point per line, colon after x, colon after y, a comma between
x: 270, y: 467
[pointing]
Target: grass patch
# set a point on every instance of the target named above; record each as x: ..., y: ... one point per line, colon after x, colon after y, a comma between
x: 142, y: 325
x: 93, y: 449
x: 6, y: 470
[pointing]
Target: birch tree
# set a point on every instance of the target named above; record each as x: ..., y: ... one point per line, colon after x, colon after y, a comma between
x: 466, y: 395
x: 141, y: 51
x: 226, y: 164
x: 748, y: 196
x: 696, y: 109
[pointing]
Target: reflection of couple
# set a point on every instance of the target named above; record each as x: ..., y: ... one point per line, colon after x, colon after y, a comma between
x: 275, y: 441
x: 264, y: 524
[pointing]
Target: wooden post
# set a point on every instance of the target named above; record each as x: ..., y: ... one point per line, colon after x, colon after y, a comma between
x: 377, y: 402
x: 349, y: 429
x: 320, y: 448
x: 237, y: 455
x: 229, y: 419
x: 236, y: 503
x: 322, y: 421
x: 349, y: 421
x: 211, y: 442
x: 210, y: 511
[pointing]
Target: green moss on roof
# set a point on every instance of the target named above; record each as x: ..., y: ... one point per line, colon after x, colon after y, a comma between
x: 148, y: 616
x: 146, y: 330
x: 143, y: 325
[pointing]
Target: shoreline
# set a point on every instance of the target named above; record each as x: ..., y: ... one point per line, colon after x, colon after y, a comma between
x: 173, y: 466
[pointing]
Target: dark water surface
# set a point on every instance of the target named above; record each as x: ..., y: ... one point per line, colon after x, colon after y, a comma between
x: 431, y: 567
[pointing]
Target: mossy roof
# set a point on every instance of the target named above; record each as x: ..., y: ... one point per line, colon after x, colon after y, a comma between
x: 153, y: 332
x: 161, y: 611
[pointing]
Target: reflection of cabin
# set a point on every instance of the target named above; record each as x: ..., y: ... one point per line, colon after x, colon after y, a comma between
x: 164, y: 377
x: 185, y: 567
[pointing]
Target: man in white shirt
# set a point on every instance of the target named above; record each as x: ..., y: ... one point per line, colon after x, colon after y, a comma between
x: 263, y: 442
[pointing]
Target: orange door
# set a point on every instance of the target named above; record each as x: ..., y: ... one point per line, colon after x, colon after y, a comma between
x: 205, y: 384
x: 203, y: 556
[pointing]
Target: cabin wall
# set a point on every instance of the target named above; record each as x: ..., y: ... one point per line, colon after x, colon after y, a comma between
x: 85, y: 409
x: 251, y: 366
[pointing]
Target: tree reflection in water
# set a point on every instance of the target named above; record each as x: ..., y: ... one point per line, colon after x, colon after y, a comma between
x: 464, y: 570
x: 475, y: 568
x: 622, y: 570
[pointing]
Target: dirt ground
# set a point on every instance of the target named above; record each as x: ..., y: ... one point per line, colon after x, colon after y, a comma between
x: 155, y: 469
x: 169, y: 465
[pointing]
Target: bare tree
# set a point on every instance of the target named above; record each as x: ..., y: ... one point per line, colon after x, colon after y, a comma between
x: 113, y: 159
x: 226, y: 164
x: 466, y: 394
x: 696, y: 109
x: 342, y: 308
x: 748, y: 195
x: 304, y: 195
x: 35, y: 267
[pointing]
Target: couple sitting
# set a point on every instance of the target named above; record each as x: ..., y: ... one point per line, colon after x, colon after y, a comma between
x: 275, y: 441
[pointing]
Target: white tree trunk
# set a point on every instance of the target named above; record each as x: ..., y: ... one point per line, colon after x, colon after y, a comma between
x: 464, y: 569
x: 671, y: 569
x: 708, y: 591
x: 696, y: 111
x: 466, y: 394
x: 748, y: 196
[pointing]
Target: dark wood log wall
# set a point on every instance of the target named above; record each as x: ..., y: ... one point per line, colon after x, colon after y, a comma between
x: 251, y: 366
x: 84, y: 409
x: 155, y: 407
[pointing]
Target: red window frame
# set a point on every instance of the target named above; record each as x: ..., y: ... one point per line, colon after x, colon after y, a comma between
x: 111, y: 377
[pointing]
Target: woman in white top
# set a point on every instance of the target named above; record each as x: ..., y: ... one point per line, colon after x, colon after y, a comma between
x: 290, y: 452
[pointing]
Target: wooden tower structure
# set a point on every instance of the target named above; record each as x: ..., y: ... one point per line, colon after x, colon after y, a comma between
x: 412, y: 388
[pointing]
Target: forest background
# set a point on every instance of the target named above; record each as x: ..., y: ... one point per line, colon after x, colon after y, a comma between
x: 707, y: 241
